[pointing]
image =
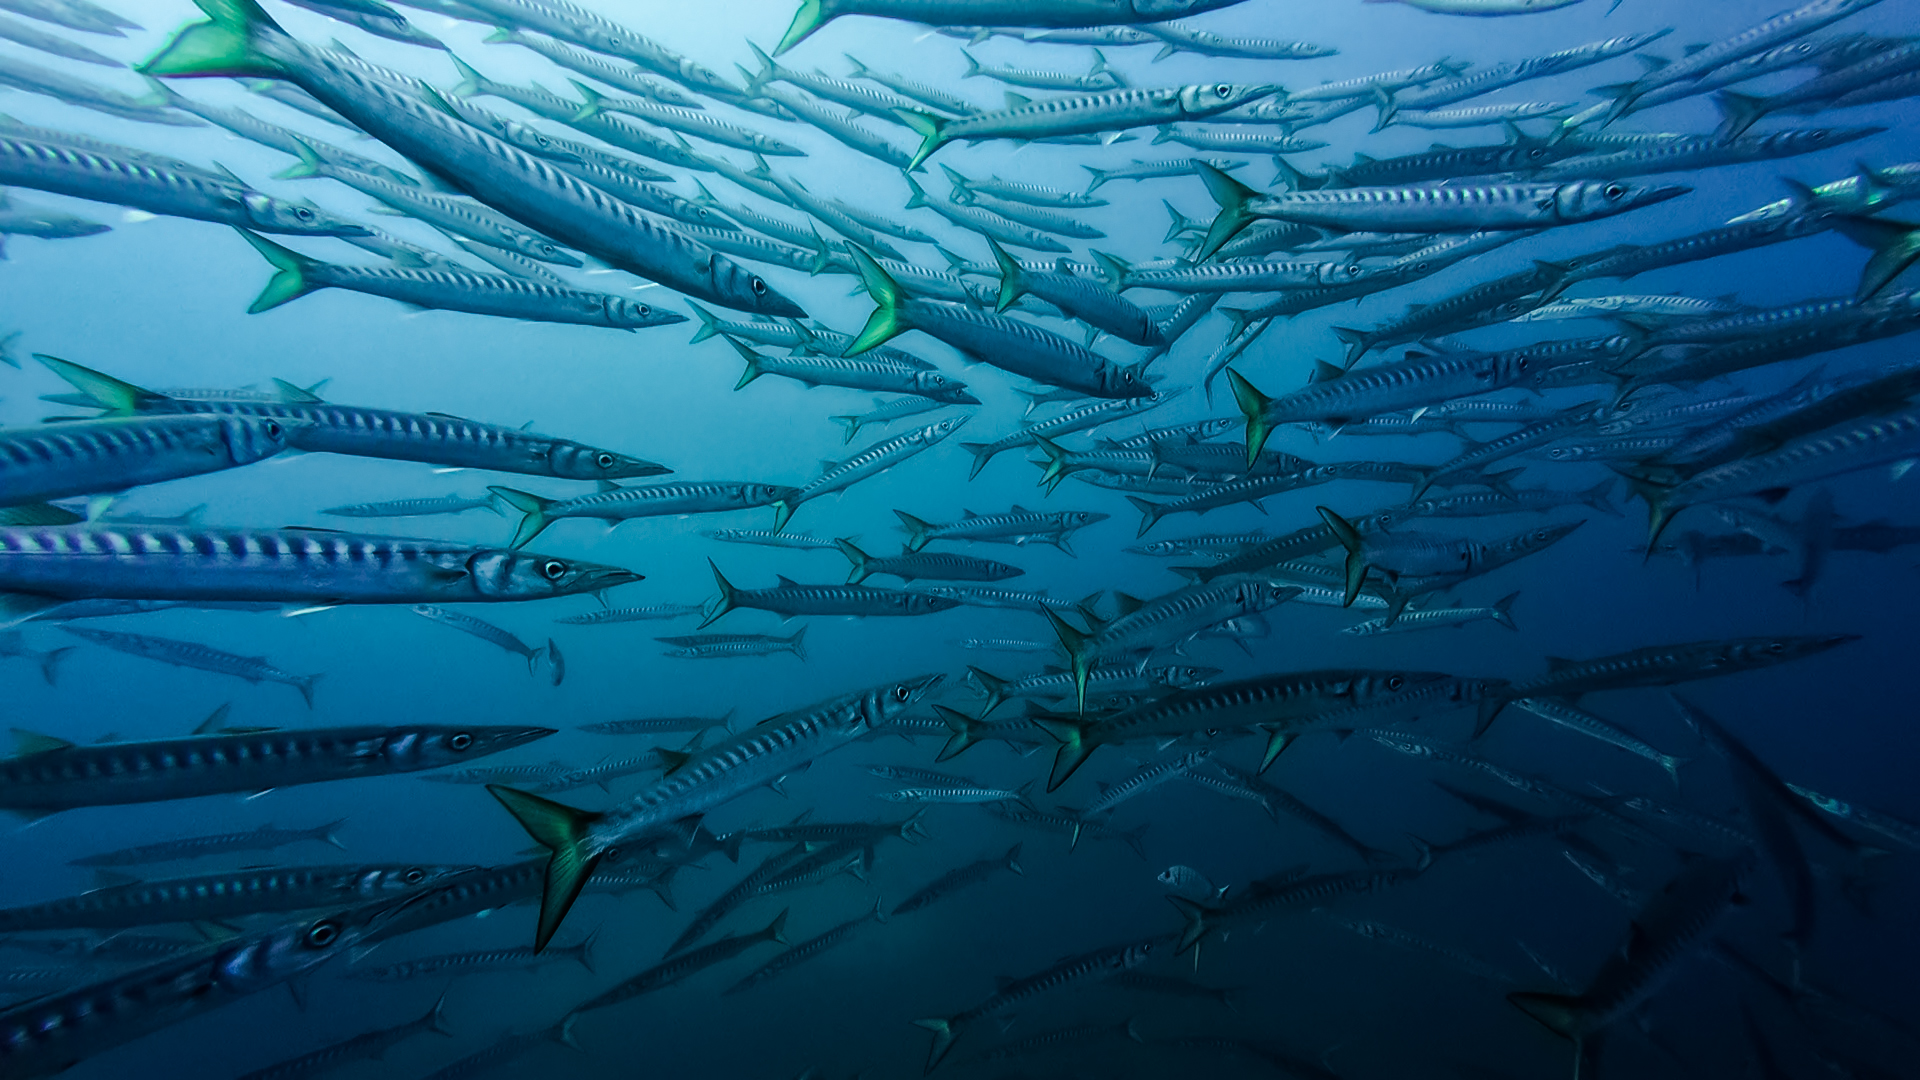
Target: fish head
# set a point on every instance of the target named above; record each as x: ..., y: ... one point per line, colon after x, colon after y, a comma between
x: 1382, y: 687
x: 1124, y: 381
x: 1586, y: 200
x: 743, y: 290
x: 927, y: 601
x: 1760, y: 652
x: 634, y: 315
x: 537, y: 248
x: 1542, y: 538
x: 573, y: 461
x: 766, y: 494
x: 1186, y: 674
x: 885, y: 703
x: 51, y: 226
x: 1251, y: 596
x: 428, y: 746
x: 404, y: 880
x: 267, y: 214
x: 256, y: 438
x: 1210, y: 98
x: 502, y: 574
x: 1133, y: 955
x: 538, y: 143
x: 1080, y: 519
x: 300, y: 946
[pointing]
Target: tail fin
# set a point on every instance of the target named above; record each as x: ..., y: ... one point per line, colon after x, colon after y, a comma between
x: 1197, y: 926
x: 1659, y: 513
x: 1253, y: 405
x: 982, y: 453
x: 1100, y: 176
x: 590, y: 102
x: 943, y: 1036
x: 1079, y: 648
x: 1012, y: 278
x: 1115, y: 268
x: 302, y: 683
x: 916, y: 530
x: 533, y: 513
x: 1358, y: 343
x: 813, y: 14
x: 776, y: 931
x: 964, y: 732
x: 1503, y: 611
x: 50, y: 663
x: 1349, y: 538
x: 1389, y: 108
x: 308, y: 166
x: 929, y: 127
x: 1075, y: 746
x: 1895, y: 246
x: 328, y: 833
x: 852, y: 424
x: 1233, y: 197
x: 973, y: 66
x: 1011, y: 860
x: 754, y: 368
x: 1738, y: 112
x: 583, y: 952
x: 118, y: 398
x: 855, y: 556
x: 709, y: 323
x: 228, y: 43
x: 562, y: 830
x: 1600, y: 497
x: 1560, y: 1013
x: 1057, y: 467
x: 1136, y: 839
x: 993, y: 686
x: 290, y: 268
x: 722, y: 603
x: 1150, y: 513
x: 885, y: 323
x: 797, y: 643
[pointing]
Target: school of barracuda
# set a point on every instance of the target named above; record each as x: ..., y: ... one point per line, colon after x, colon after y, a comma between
x: 1669, y: 881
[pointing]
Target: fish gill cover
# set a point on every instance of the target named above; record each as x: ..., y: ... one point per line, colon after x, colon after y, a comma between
x: 1167, y: 570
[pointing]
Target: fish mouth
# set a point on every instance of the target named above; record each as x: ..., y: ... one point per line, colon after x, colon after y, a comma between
x: 506, y: 740
x: 346, y: 228
x: 772, y: 303
x: 636, y: 468
x: 602, y: 577
x: 1661, y: 194
x: 961, y: 397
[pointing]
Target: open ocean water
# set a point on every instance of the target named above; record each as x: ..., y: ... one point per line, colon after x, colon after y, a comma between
x: 161, y: 302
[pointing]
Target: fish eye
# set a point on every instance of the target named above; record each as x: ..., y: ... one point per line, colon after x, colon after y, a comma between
x: 1819, y: 135
x: 1776, y: 648
x: 272, y: 429
x: 322, y: 934
x: 642, y: 310
x: 604, y: 460
x: 901, y: 694
x: 553, y: 569
x: 1615, y: 191
x: 303, y: 213
x: 1223, y: 91
x: 759, y: 287
x: 460, y: 741
x: 1541, y: 535
x: 414, y: 876
x: 1395, y: 682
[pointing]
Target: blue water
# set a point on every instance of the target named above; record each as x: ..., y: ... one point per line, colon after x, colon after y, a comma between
x: 162, y: 303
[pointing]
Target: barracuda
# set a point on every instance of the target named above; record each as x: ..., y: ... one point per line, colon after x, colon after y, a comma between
x: 1105, y: 680
x: 1227, y: 277
x: 979, y: 219
x: 371, y: 1044
x: 579, y: 841
x: 1701, y: 152
x: 617, y: 504
x: 1012, y: 191
x: 1080, y: 114
x: 264, y: 838
x: 54, y: 1032
x: 322, y: 427
x: 1017, y: 526
x: 874, y: 460
x: 868, y: 372
x: 248, y: 126
x: 594, y: 66
x: 1098, y: 306
x: 192, y: 654
x: 51, y: 775
x: 1106, y: 14
x: 89, y: 457
x: 95, y: 173
x: 589, y: 30
x: 840, y: 128
x: 1078, y: 418
x: 1162, y: 621
x: 916, y: 565
x: 695, y: 122
x: 1097, y: 964
x: 1286, y: 891
x: 959, y: 878
x: 1229, y: 706
x: 480, y: 628
x: 445, y: 504
x: 791, y: 598
x: 240, y: 39
x: 211, y: 898
x: 1488, y: 302
x: 451, y: 289
x: 1009, y: 344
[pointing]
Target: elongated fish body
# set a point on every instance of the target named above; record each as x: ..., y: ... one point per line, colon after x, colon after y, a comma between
x: 846, y: 131
x: 456, y: 215
x: 1435, y: 618
x: 977, y: 218
x: 686, y: 964
x: 218, y: 897
x: 1227, y: 706
x: 1227, y: 277
x: 695, y: 122
x: 1482, y: 8
x: 872, y: 461
x: 1436, y: 93
x: 1079, y: 417
x: 1098, y: 78
x: 1574, y: 718
x: 1080, y: 114
x: 34, y: 79
x: 1017, y: 526
x: 519, y: 958
x: 864, y: 372
x: 988, y: 597
x: 1160, y: 622
x: 248, y: 126
x: 264, y: 838
x: 767, y: 538
x: 1475, y: 116
x: 1665, y: 665
x: 1106, y: 15
x: 1758, y: 38
x: 1012, y: 191
x: 648, y: 500
x: 1181, y: 38
x: 94, y: 561
x: 1464, y: 208
x: 192, y: 654
x: 918, y: 565
x: 480, y: 628
x: 626, y: 76
x: 525, y: 188
x: 1237, y: 142
x: 846, y: 92
x: 959, y: 878
x: 369, y: 1044
x: 1089, y: 301
x: 1143, y: 780
x: 54, y: 1032
x: 92, y: 456
x: 323, y: 427
x: 1096, y: 964
x: 1631, y: 260
x: 790, y: 598
x: 606, y: 616
x: 807, y: 950
x: 447, y: 288
x: 1105, y: 680
x: 532, y: 772
x: 720, y: 646
x: 1288, y: 892
x: 952, y: 795
x: 65, y: 776
x: 445, y: 504
x: 1701, y: 152
x: 574, y: 24
x: 717, y: 775
x: 93, y: 174
x: 87, y: 17
x: 1664, y: 932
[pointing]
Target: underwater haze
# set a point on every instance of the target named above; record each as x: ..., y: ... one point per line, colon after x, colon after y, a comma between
x: 1251, y: 538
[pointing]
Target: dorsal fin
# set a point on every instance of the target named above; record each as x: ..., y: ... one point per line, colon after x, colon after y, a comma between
x: 1322, y: 371
x: 1127, y: 603
x: 1555, y: 663
x: 1018, y: 101
x: 26, y: 743
x: 786, y: 582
